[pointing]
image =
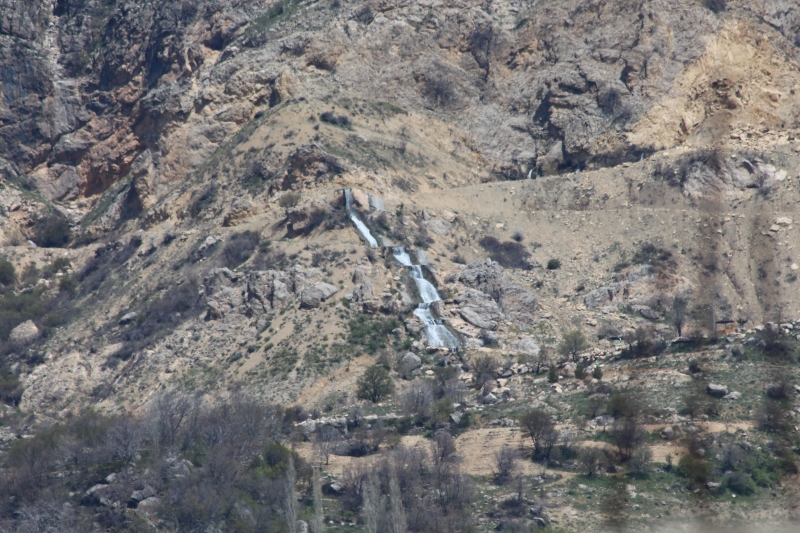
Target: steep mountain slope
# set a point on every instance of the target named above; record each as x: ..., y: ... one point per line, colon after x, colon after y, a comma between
x: 172, y: 198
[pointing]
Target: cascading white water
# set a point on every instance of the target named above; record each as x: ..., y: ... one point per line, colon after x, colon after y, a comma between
x: 438, y: 334
x: 362, y: 228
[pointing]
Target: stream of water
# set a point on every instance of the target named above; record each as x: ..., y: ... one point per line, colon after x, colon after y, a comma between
x: 437, y: 333
x: 362, y: 228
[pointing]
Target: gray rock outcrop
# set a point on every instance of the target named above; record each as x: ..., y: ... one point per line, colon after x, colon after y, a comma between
x: 311, y: 297
x: 25, y: 333
x: 717, y: 391
x: 518, y: 305
x: 479, y: 309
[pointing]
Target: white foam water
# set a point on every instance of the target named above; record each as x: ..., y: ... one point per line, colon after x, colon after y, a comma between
x: 362, y: 228
x: 437, y: 333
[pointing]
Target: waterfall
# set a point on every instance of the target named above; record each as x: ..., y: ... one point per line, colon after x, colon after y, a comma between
x: 530, y: 173
x: 362, y: 228
x: 437, y: 333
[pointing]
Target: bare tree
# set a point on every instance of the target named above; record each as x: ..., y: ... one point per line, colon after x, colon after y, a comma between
x: 483, y: 368
x: 46, y: 517
x: 326, y: 439
x: 290, y: 508
x: 417, y: 399
x: 640, y: 458
x: 318, y: 522
x: 627, y: 435
x: 124, y: 438
x: 678, y: 314
x: 590, y: 458
x: 398, y: 513
x: 370, y: 502
x: 171, y: 412
x: 505, y: 465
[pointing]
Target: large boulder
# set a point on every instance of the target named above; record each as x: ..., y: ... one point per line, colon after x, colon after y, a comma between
x: 311, y: 297
x: 518, y: 304
x: 410, y: 361
x: 363, y: 290
x: 478, y: 309
x: 25, y: 333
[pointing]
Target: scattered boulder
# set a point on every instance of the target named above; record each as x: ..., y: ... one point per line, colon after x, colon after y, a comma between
x: 667, y: 433
x: 456, y: 417
x: 311, y: 297
x: 717, y: 391
x: 140, y: 495
x: 25, y: 333
x: 489, y: 399
x: 733, y: 396
x: 410, y: 361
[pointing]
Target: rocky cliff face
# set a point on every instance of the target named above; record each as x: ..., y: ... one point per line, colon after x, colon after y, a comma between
x: 96, y: 91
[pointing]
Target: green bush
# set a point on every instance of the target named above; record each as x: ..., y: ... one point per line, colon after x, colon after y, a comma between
x: 290, y: 199
x: 741, y: 483
x: 52, y: 232
x: 375, y: 384
x: 10, y: 388
x: 597, y: 373
x: 553, y: 264
x: 580, y: 371
x: 694, y: 469
x: 552, y: 374
x: 8, y: 274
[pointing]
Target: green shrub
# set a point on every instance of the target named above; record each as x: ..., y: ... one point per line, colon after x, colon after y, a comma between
x: 552, y: 374
x: 580, y: 371
x: 597, y: 373
x: 553, y: 264
x: 741, y: 483
x: 10, y: 388
x: 694, y: 469
x: 290, y: 199
x: 52, y: 232
x: 8, y: 274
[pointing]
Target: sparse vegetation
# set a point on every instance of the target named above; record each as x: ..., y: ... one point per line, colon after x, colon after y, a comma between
x: 553, y: 264
x: 509, y: 254
x: 238, y: 248
x: 53, y: 231
x: 374, y: 384
x: 572, y: 344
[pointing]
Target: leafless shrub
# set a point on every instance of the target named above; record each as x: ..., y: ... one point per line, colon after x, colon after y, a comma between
x: 505, y: 465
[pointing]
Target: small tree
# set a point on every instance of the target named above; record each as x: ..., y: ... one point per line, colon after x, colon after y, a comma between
x: 552, y: 374
x: 505, y: 465
x: 640, y: 458
x: 483, y: 368
x: 597, y: 373
x: 374, y: 384
x: 317, y: 522
x: 589, y: 459
x: 678, y: 314
x: 537, y: 425
x: 627, y: 435
x: 580, y: 371
x: 573, y: 344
